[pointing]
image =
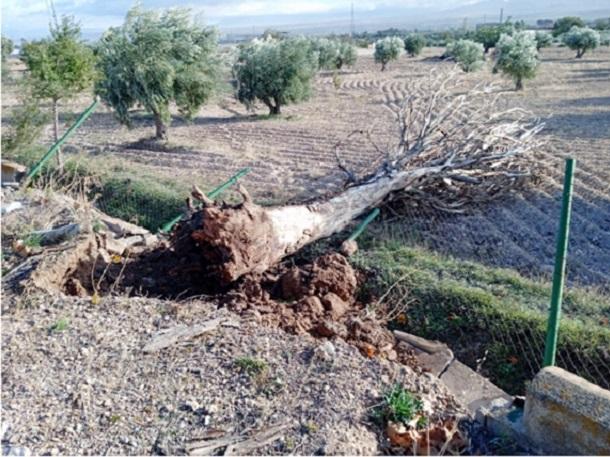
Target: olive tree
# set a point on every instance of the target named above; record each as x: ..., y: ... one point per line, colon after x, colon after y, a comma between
x: 7, y: 48
x: 155, y: 59
x: 517, y: 57
x: 387, y: 49
x: 414, y: 43
x: 468, y: 54
x: 543, y: 39
x: 581, y: 39
x: 564, y: 24
x: 333, y: 54
x: 59, y: 67
x: 276, y: 72
x: 488, y: 35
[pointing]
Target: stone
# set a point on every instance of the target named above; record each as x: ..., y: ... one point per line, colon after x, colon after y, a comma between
x: 567, y: 415
x: 311, y: 305
x: 329, y: 328
x: 335, y: 305
x: 470, y: 388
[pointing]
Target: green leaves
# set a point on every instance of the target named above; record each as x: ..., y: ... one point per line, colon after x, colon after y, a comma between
x: 414, y: 43
x: 387, y: 49
x: 518, y: 56
x: 333, y: 54
x: 468, y: 54
x: 275, y: 72
x: 155, y: 59
x: 59, y: 66
x: 581, y: 39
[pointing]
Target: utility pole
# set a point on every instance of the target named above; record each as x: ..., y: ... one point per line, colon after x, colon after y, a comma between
x: 351, y: 22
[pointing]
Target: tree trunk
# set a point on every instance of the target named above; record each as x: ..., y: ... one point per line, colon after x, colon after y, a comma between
x: 519, y: 84
x: 383, y: 64
x: 161, y: 128
x: 55, y: 104
x: 580, y: 53
x: 249, y: 238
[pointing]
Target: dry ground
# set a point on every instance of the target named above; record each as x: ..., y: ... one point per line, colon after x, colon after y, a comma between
x: 292, y: 157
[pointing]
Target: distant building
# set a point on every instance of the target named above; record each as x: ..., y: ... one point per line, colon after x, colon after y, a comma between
x: 545, y: 23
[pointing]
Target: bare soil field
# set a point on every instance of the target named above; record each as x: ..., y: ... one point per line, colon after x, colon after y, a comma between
x: 292, y: 157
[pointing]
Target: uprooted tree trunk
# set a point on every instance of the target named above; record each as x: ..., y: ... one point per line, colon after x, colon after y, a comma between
x: 451, y: 149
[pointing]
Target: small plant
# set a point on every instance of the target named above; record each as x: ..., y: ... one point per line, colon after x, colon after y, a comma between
x: 33, y: 240
x: 97, y: 226
x: 400, y: 405
x: 581, y: 39
x: 468, y: 54
x: 59, y: 326
x: 251, y: 366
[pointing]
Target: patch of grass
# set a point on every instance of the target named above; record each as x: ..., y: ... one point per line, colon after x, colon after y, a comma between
x: 400, y: 405
x: 60, y: 326
x: 251, y: 366
x: 493, y: 318
x: 32, y: 240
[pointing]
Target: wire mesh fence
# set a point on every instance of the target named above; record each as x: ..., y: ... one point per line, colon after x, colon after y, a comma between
x: 482, y: 283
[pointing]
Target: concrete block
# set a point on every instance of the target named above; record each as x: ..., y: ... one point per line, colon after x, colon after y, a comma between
x: 472, y: 389
x: 567, y: 415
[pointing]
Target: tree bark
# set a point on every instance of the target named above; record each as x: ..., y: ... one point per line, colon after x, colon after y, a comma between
x: 161, y: 127
x: 249, y: 238
x: 519, y: 84
x: 55, y: 103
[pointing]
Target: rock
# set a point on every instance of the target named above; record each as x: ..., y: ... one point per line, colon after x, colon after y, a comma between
x: 329, y: 328
x: 567, y: 415
x: 335, y: 306
x: 310, y: 305
x: 349, y: 248
x: 326, y: 351
x: 333, y: 273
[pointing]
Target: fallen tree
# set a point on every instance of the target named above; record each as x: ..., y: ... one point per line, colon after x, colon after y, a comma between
x: 454, y: 145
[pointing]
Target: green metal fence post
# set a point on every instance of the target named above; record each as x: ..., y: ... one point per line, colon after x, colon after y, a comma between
x: 560, y: 266
x: 356, y: 233
x: 212, y: 194
x: 85, y: 114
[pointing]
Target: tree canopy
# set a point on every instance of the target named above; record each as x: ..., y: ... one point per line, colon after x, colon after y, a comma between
x: 387, y: 49
x: 581, y: 39
x: 468, y: 54
x: 489, y: 35
x: 59, y: 66
x: 517, y: 56
x: 333, y: 54
x: 564, y: 24
x: 543, y: 39
x: 154, y: 59
x: 414, y: 43
x: 276, y: 72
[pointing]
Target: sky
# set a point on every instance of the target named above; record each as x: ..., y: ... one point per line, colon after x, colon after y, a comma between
x: 30, y: 18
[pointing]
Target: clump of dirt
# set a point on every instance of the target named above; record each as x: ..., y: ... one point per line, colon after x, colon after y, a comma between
x: 318, y: 298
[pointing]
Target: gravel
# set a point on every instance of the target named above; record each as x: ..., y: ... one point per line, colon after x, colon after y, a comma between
x: 75, y: 381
